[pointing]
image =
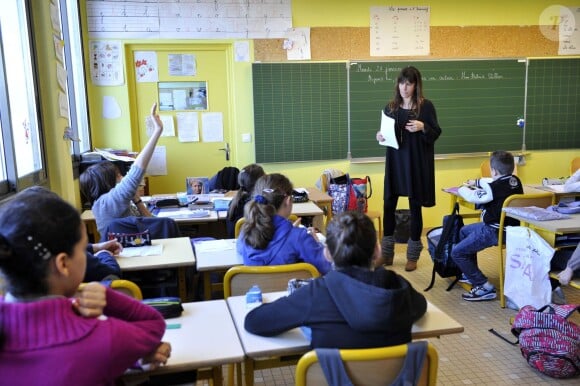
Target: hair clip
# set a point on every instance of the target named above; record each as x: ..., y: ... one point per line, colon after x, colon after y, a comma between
x: 40, y: 249
x: 260, y: 199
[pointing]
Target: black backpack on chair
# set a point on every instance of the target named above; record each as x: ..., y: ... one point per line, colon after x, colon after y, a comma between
x: 440, y: 241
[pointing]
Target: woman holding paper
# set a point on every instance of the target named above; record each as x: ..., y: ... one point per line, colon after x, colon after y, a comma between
x: 410, y: 165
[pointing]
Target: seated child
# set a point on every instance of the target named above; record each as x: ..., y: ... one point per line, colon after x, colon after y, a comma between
x: 246, y: 179
x: 571, y: 269
x: 489, y: 194
x: 354, y: 306
x: 51, y: 333
x: 268, y: 237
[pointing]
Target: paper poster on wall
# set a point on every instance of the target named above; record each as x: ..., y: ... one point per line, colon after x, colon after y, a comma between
x: 399, y: 31
x: 212, y: 127
x: 146, y: 69
x: 298, y: 46
x: 182, y: 65
x: 187, y: 127
x: 158, y: 164
x: 55, y: 18
x: 168, y: 126
x: 242, y: 51
x: 63, y: 105
x: 111, y: 109
x: 58, y: 48
x: 106, y: 63
x: 61, y: 76
x: 569, y: 32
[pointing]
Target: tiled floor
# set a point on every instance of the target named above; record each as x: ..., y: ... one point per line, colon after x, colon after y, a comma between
x: 475, y: 357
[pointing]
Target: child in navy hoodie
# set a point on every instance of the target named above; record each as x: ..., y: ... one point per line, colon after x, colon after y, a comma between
x: 354, y: 306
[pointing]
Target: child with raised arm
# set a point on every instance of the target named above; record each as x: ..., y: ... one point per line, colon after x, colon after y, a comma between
x: 51, y: 333
x: 268, y: 237
x: 111, y: 200
x: 354, y: 306
x: 489, y: 194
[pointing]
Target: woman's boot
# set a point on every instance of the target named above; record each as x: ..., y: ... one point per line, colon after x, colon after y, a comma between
x: 388, y: 249
x: 414, y: 248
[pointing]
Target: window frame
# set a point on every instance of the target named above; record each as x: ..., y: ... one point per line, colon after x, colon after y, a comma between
x: 13, y: 183
x: 75, y: 91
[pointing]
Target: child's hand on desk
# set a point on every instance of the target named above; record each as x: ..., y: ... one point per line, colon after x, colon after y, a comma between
x: 158, y: 357
x: 91, y: 300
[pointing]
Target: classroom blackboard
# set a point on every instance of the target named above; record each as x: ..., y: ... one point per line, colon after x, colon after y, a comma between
x: 478, y: 103
x: 553, y: 104
x: 300, y: 111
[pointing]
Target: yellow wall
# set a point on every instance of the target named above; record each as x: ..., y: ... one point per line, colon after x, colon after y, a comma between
x: 315, y: 13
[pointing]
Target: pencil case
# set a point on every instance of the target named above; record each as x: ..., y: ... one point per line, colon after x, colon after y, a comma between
x: 169, y: 307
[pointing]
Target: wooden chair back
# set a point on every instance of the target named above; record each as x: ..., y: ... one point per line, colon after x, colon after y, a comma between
x: 125, y: 286
x: 270, y: 278
x: 373, y: 366
x: 574, y: 165
x: 542, y: 200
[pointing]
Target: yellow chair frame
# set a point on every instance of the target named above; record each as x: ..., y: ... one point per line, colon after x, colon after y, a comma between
x: 270, y: 278
x: 542, y: 200
x: 574, y: 283
x: 485, y: 169
x: 372, y: 366
x: 125, y: 286
x: 574, y: 165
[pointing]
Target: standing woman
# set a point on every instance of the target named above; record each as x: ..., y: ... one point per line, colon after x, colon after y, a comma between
x: 409, y: 170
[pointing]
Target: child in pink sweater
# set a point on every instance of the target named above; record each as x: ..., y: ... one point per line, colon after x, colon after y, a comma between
x: 50, y: 334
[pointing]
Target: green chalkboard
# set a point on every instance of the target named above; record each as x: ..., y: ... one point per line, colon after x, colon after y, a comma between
x: 300, y: 111
x: 553, y: 104
x: 478, y: 103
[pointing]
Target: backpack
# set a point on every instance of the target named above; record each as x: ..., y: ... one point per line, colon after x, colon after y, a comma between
x: 548, y: 341
x: 440, y: 241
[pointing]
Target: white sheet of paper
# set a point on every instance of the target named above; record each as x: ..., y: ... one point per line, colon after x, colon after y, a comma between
x: 388, y: 131
x: 214, y: 245
x: 187, y: 127
x: 148, y: 250
x: 158, y: 164
x: 111, y: 109
x: 212, y: 127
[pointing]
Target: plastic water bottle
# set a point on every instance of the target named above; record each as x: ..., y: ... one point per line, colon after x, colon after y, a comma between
x: 253, y: 297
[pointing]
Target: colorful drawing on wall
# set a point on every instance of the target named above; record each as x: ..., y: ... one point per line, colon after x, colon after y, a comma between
x: 197, y: 185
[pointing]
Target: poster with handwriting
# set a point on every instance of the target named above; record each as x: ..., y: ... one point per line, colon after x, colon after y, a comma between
x: 400, y: 31
x: 200, y: 19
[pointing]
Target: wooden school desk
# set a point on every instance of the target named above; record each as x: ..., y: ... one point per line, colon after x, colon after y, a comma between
x: 456, y: 198
x: 265, y: 352
x: 215, y: 256
x: 550, y: 229
x: 177, y: 253
x: 205, y: 337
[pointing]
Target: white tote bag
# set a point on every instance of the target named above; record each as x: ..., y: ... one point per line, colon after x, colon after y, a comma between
x: 527, y: 267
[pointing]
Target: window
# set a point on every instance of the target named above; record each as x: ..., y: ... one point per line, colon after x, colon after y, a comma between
x: 22, y: 151
x: 74, y: 64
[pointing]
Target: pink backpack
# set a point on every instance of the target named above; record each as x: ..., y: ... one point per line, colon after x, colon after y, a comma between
x: 548, y: 341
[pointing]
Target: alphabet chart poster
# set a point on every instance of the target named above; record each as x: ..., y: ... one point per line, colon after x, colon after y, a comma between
x: 189, y: 19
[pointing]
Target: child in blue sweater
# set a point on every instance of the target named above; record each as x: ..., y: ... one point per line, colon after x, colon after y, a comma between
x: 268, y: 237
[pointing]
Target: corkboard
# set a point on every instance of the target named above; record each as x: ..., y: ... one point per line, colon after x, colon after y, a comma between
x: 353, y: 43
